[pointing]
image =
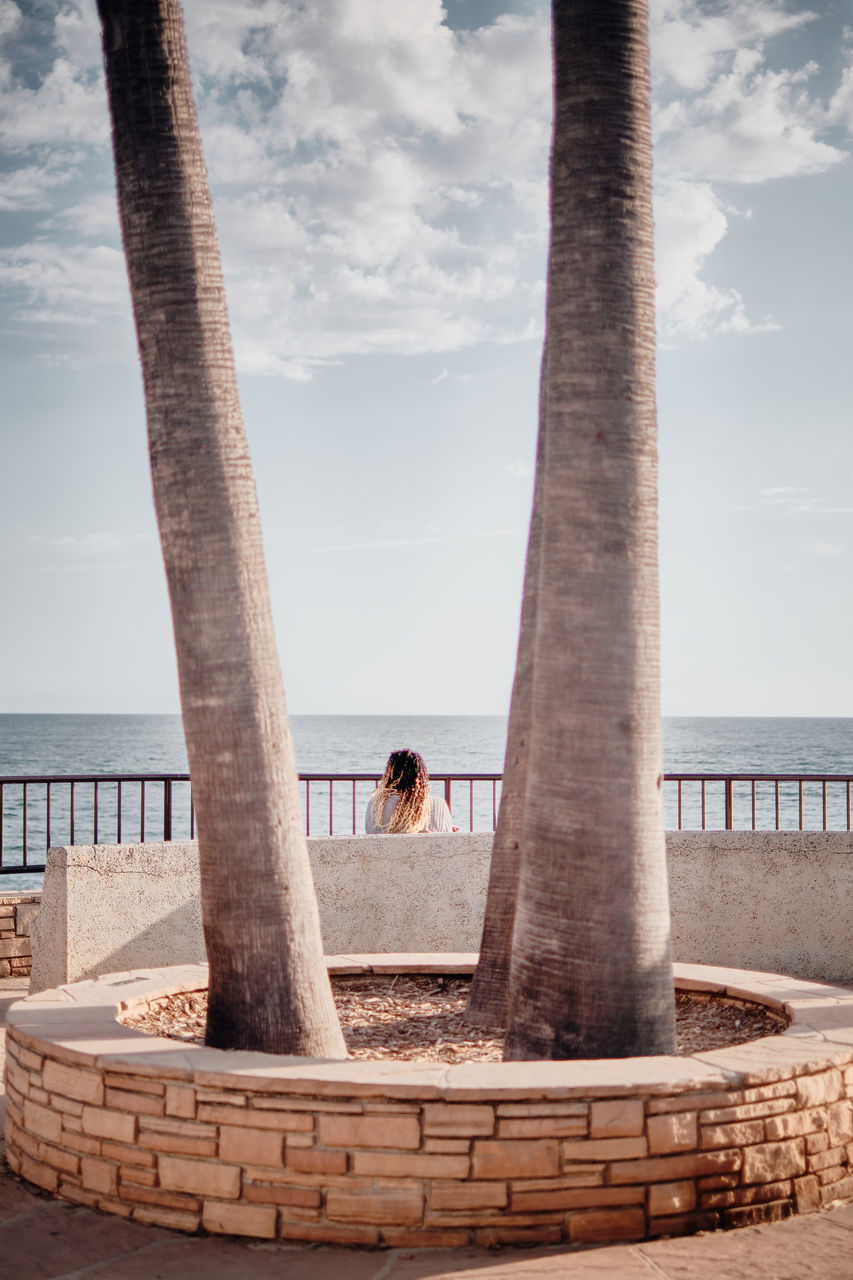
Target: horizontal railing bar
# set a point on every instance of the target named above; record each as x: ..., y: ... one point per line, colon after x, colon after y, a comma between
x: 102, y: 777
x: 758, y: 777
x: 437, y: 775
x: 35, y: 817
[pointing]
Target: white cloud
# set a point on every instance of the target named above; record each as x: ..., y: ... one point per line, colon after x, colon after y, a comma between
x: 32, y: 186
x: 519, y: 469
x: 750, y: 125
x: 690, y: 222
x: 723, y: 114
x: 691, y: 40
x: 73, y: 288
x: 380, y: 178
x: 65, y: 107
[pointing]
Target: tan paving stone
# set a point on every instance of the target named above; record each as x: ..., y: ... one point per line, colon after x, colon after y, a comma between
x: 515, y: 1159
x: 667, y: 1198
x: 617, y: 1118
x: 369, y: 1131
x: 543, y: 1127
x: 134, y: 1084
x: 670, y: 1133
x: 251, y: 1146
x: 124, y: 1154
x: 827, y: 1159
x: 200, y: 1177
x: 604, y: 1149
x: 575, y: 1198
x: 731, y: 1135
x: 311, y: 1161
x: 180, y: 1101
x: 42, y: 1121
x: 607, y: 1224
x: 825, y: 1086
x: 467, y: 1195
x: 239, y: 1219
x: 394, y: 1164
x: 177, y: 1145
x: 156, y: 1216
x: 795, y: 1123
x: 274, y: 1193
x: 444, y: 1120
x: 73, y: 1082
x: 674, y: 1168
x: 100, y: 1123
x: 772, y: 1161
x: 392, y: 1205
x: 142, y: 1104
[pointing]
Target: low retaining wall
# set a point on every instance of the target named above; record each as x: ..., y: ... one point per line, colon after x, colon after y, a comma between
x: 779, y: 901
x: 407, y: 1154
x: 116, y: 907
x: 17, y: 911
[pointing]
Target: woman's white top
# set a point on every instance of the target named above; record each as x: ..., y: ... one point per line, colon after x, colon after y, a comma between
x: 439, y: 817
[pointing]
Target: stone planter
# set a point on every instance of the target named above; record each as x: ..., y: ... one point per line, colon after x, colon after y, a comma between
x: 384, y: 1153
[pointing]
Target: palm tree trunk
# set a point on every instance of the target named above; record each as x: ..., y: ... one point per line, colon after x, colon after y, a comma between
x: 488, y: 999
x: 591, y: 972
x: 268, y: 984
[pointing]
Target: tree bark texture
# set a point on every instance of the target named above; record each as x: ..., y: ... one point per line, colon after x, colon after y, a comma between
x: 268, y: 984
x: 488, y: 1000
x: 591, y: 972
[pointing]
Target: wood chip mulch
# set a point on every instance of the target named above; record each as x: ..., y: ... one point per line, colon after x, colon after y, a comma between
x: 421, y: 1019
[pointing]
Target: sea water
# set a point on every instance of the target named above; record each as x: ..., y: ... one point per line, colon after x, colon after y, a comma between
x: 38, y: 745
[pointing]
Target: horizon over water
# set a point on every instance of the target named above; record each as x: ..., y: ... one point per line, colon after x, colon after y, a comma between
x: 39, y: 744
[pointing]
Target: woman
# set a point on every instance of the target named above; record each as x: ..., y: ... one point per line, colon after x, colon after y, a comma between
x: 402, y: 804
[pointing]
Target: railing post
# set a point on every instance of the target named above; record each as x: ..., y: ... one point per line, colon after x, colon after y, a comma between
x: 167, y: 809
x: 448, y: 786
x: 729, y: 815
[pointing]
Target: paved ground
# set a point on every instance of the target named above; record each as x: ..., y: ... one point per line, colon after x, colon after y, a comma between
x: 43, y: 1239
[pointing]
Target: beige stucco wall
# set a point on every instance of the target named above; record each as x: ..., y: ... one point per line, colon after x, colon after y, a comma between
x: 775, y: 900
x: 779, y: 901
x: 110, y: 908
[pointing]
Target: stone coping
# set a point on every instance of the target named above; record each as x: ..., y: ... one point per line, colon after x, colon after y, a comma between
x: 430, y: 1153
x: 80, y: 1021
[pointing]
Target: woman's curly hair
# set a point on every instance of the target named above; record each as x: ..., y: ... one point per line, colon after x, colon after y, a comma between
x: 406, y: 778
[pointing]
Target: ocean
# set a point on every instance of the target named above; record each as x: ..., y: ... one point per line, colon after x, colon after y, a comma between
x: 74, y: 744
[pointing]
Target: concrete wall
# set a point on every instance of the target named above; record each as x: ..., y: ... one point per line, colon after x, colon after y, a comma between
x: 779, y: 901
x: 110, y: 908
x: 775, y: 900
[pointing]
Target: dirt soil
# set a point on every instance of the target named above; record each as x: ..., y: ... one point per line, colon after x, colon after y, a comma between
x: 420, y: 1019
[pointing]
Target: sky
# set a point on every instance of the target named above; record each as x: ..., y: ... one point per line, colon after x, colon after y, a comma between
x: 378, y: 170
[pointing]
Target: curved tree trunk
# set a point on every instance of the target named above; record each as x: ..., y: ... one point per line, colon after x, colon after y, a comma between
x: 268, y: 984
x: 591, y: 972
x: 487, y: 1002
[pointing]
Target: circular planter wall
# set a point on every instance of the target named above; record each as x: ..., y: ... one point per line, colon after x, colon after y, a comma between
x: 429, y: 1154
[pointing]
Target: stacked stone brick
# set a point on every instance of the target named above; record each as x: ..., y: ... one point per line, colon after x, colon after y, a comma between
x: 188, y: 1142
x: 16, y: 952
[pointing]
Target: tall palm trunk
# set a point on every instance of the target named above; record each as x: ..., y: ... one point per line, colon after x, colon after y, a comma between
x: 591, y: 972
x: 488, y: 1000
x: 268, y: 984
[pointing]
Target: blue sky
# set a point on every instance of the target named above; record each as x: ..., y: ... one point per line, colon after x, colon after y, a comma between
x: 379, y: 177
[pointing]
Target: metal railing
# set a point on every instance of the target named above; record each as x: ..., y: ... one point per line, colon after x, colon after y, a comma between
x: 37, y: 812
